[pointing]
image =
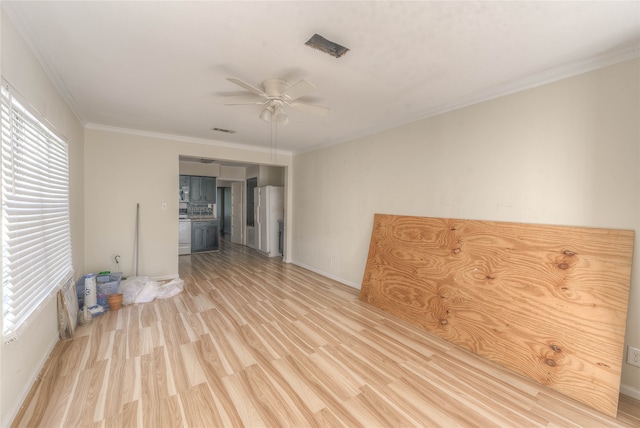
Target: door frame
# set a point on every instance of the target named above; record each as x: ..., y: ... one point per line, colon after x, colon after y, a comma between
x: 228, y: 182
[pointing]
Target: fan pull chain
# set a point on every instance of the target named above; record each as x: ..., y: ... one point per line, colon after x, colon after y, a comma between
x: 274, y: 147
x: 271, y: 135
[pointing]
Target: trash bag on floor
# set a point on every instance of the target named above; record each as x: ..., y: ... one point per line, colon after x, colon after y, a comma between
x: 170, y: 289
x: 140, y: 289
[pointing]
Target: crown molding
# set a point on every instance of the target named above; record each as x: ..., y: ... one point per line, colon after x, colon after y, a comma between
x: 181, y: 138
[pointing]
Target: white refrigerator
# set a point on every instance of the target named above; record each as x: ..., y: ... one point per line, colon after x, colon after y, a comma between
x: 269, y: 208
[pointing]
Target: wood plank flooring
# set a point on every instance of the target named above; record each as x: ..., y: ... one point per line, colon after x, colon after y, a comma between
x: 254, y: 342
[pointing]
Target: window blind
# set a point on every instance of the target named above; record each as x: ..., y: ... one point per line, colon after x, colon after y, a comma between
x: 36, y: 233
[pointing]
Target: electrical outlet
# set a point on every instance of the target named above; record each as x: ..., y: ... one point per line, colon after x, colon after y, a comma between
x: 633, y: 356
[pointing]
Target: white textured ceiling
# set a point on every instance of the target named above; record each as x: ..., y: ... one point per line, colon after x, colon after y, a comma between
x: 161, y: 66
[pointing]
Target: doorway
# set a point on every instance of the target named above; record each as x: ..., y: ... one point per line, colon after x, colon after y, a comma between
x: 230, y: 210
x: 223, y: 208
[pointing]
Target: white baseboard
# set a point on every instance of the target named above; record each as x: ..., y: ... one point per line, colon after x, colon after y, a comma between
x: 630, y: 391
x: 326, y: 274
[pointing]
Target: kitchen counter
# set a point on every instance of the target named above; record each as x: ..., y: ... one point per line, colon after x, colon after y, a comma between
x: 202, y: 217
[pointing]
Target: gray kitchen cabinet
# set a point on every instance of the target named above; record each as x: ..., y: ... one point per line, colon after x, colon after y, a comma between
x: 205, y: 235
x: 196, y: 190
x: 203, y: 190
x: 209, y: 189
x: 184, y: 181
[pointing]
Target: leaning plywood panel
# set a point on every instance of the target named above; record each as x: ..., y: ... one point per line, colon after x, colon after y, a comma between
x: 549, y: 302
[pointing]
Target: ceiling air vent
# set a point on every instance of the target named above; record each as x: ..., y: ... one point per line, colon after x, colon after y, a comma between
x: 227, y: 131
x: 327, y: 46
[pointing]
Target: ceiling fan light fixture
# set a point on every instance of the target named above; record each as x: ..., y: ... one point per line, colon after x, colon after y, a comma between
x: 275, y: 113
x: 266, y: 114
x: 280, y: 116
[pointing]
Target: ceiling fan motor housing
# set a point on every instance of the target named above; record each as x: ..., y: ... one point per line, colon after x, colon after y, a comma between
x: 275, y: 87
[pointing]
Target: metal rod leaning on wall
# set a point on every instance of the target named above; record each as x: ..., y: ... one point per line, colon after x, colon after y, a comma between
x: 137, y: 236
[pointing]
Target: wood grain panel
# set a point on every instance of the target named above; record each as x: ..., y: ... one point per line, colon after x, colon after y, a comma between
x: 549, y: 302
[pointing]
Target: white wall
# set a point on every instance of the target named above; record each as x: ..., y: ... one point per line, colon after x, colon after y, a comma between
x: 566, y: 153
x: 234, y: 173
x: 130, y: 168
x: 21, y: 361
x: 253, y: 171
x: 198, y: 168
x: 270, y: 176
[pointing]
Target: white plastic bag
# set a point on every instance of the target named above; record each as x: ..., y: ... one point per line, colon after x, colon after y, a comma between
x: 148, y: 291
x: 130, y: 288
x: 140, y: 289
x: 170, y: 289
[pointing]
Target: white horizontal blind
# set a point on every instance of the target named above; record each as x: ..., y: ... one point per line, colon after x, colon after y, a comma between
x: 36, y: 237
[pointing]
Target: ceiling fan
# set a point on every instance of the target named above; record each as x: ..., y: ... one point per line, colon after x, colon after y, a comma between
x: 276, y: 95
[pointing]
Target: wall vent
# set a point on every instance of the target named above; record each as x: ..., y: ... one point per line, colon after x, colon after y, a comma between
x: 327, y: 46
x: 228, y: 131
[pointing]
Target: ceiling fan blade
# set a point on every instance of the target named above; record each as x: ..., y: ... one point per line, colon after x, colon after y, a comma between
x: 311, y: 108
x: 247, y: 86
x: 251, y: 103
x: 297, y: 90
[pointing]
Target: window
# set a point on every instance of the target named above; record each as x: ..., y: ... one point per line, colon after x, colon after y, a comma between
x: 36, y: 236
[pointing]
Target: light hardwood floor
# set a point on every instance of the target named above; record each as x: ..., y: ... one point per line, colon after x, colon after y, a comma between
x: 254, y: 342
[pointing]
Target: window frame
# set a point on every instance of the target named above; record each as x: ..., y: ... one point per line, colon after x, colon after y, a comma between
x: 35, y: 213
